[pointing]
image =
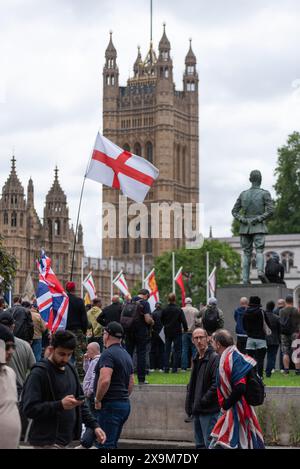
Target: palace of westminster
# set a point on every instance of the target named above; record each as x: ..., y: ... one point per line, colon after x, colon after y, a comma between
x: 148, y: 117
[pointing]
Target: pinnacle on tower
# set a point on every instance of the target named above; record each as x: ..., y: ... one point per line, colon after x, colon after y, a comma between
x: 190, y: 58
x: 164, y: 43
x: 111, y: 51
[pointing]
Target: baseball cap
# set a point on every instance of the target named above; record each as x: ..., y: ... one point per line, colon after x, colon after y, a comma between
x: 6, y: 318
x: 115, y: 329
x: 212, y: 301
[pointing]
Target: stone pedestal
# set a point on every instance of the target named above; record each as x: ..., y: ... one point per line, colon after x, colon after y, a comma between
x: 229, y: 297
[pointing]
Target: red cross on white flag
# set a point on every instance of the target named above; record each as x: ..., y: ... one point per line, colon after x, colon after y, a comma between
x: 121, y: 283
x: 120, y: 169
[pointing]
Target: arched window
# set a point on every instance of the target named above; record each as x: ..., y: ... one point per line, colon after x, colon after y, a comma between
x: 5, y: 218
x: 287, y: 259
x: 126, y: 246
x: 178, y: 165
x: 112, y: 79
x: 149, y: 152
x: 57, y: 227
x: 166, y: 73
x: 183, y: 166
x: 14, y: 219
x: 21, y: 219
x: 137, y: 149
x: 126, y: 147
x: 107, y: 79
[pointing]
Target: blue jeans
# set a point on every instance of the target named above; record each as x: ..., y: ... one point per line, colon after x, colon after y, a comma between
x: 188, y: 350
x: 37, y: 348
x: 271, y: 358
x: 176, y: 340
x: 111, y: 418
x: 203, y: 425
x: 88, y: 438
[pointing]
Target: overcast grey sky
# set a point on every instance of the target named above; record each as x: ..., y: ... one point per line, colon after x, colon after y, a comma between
x: 51, y: 59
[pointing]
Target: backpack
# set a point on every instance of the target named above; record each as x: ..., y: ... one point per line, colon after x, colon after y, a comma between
x: 286, y: 325
x: 130, y: 315
x: 255, y: 389
x: 23, y: 323
x: 272, y: 269
x: 211, y: 319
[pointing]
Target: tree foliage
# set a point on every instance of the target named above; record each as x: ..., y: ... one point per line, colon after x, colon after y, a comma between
x: 222, y: 255
x: 8, y: 267
x: 286, y: 218
x: 235, y: 227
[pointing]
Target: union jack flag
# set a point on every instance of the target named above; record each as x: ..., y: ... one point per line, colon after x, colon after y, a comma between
x: 52, y: 300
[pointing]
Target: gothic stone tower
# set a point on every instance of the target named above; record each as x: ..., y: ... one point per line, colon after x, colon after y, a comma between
x: 150, y: 118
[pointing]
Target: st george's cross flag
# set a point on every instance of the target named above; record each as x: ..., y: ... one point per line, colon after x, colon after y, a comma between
x: 179, y: 280
x: 212, y: 282
x: 89, y: 285
x: 151, y: 285
x: 52, y: 300
x: 120, y: 169
x: 121, y: 283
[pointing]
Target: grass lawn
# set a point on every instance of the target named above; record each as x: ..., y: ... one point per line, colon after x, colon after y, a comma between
x: 277, y: 379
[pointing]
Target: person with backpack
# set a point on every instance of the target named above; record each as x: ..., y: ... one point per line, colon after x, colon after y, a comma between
x: 213, y: 317
x: 24, y: 328
x: 173, y: 320
x: 289, y: 318
x: 111, y: 313
x: 53, y: 398
x: 274, y: 270
x: 273, y: 340
x: 237, y: 426
x: 257, y: 327
x: 136, y: 321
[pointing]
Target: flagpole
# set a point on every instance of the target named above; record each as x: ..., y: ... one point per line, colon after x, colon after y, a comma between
x: 143, y: 270
x: 111, y: 277
x: 207, y: 275
x: 78, y: 213
x: 9, y: 295
x: 82, y: 277
x: 173, y: 270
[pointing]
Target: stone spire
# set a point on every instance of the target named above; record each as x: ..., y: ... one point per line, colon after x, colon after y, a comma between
x: 30, y: 194
x: 13, y: 184
x: 190, y: 58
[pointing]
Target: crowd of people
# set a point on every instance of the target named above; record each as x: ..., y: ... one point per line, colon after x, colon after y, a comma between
x: 75, y: 384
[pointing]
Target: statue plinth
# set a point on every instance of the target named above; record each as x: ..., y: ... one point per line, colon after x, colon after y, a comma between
x: 229, y: 298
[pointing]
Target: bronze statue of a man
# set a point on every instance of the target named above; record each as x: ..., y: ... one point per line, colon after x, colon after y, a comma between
x: 251, y: 209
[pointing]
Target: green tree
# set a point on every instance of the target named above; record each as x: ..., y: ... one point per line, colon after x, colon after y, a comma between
x: 222, y: 255
x: 235, y: 227
x: 286, y: 218
x: 8, y: 267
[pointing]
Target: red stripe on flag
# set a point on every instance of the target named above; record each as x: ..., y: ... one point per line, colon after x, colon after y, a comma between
x: 118, y: 166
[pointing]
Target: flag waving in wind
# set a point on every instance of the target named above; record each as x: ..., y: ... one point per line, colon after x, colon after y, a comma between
x: 151, y: 285
x: 179, y: 280
x: 121, y: 283
x: 89, y: 285
x: 52, y: 300
x: 212, y: 281
x: 120, y: 169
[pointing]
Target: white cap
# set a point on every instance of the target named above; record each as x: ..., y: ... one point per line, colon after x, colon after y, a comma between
x: 188, y: 300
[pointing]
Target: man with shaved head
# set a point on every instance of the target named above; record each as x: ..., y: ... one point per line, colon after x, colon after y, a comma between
x: 202, y: 400
x: 241, y: 334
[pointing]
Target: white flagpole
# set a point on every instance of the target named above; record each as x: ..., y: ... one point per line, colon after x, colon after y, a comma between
x: 9, y: 296
x: 207, y: 275
x: 111, y: 277
x: 143, y: 270
x: 173, y: 271
x: 82, y: 277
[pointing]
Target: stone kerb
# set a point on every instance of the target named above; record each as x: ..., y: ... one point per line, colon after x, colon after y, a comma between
x: 158, y: 414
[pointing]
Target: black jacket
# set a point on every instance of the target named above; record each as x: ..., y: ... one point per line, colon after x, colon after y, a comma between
x: 202, y: 395
x: 110, y: 313
x: 274, y: 338
x: 253, y: 322
x: 38, y: 402
x: 173, y: 319
x: 77, y: 317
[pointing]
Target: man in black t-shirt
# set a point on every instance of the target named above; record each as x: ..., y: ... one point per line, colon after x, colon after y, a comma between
x: 113, y: 385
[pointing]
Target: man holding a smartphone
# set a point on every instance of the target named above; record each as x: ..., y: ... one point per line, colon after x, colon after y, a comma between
x: 53, y: 398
